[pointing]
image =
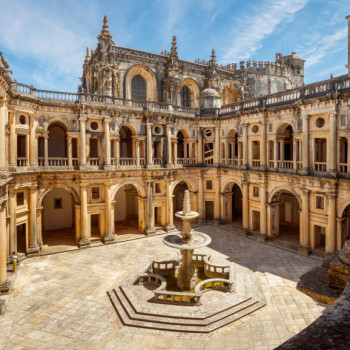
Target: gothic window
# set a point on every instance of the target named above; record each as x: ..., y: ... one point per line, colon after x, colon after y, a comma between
x: 138, y: 88
x: 185, y: 96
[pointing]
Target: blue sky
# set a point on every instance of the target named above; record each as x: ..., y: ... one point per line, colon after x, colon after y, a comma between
x: 45, y: 41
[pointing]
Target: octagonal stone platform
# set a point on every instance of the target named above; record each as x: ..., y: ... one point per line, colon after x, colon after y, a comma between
x: 135, y: 307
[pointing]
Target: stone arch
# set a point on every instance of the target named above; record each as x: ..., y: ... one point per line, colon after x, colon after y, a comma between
x: 232, y: 210
x: 286, y: 189
x: 134, y: 130
x: 190, y: 184
x: 150, y: 78
x: 344, y: 222
x: 232, y: 133
x: 58, y: 121
x: 44, y: 192
x: 284, y: 209
x: 282, y: 125
x: 194, y: 89
x: 229, y: 94
x: 140, y: 190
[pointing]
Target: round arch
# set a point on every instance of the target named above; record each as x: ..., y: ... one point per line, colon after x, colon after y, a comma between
x: 229, y: 184
x: 130, y: 126
x: 150, y: 78
x: 184, y: 132
x: 344, y: 222
x: 282, y: 125
x: 232, y: 210
x: 190, y: 184
x: 140, y: 190
x: 194, y: 89
x: 232, y: 133
x: 44, y: 192
x: 59, y: 122
x: 280, y: 189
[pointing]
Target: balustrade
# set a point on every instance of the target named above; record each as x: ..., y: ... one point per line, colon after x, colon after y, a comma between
x: 57, y: 162
x: 94, y: 161
x: 343, y: 167
x: 127, y: 161
x: 320, y: 166
x: 22, y: 161
x: 256, y: 162
x: 157, y: 161
x: 285, y: 164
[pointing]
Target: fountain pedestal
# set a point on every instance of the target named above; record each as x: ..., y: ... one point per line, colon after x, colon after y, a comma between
x: 187, y: 275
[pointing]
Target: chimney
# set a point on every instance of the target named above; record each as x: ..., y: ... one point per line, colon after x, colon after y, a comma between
x: 348, y: 65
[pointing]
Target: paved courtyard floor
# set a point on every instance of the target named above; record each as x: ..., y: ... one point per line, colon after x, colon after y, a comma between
x: 59, y: 301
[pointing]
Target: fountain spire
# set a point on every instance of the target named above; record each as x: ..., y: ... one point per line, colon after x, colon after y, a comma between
x: 186, y: 210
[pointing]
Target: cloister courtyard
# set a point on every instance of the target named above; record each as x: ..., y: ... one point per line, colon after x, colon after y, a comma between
x: 59, y: 301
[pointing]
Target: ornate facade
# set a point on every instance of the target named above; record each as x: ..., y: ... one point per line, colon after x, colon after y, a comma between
x: 253, y: 145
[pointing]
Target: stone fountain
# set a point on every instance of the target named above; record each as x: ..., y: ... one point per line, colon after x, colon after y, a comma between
x: 187, y: 241
x: 181, y: 282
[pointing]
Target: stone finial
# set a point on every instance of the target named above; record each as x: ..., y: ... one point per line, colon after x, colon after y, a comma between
x: 187, y: 204
x: 173, y: 46
x: 213, y: 57
x: 105, y: 21
x: 105, y: 30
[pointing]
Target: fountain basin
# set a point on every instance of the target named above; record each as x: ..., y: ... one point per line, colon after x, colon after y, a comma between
x: 198, y: 240
x: 188, y: 216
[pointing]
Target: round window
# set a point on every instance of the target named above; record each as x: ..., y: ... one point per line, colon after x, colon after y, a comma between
x: 94, y: 126
x: 320, y: 122
x: 22, y: 119
x: 208, y: 132
x: 157, y: 130
x: 255, y: 129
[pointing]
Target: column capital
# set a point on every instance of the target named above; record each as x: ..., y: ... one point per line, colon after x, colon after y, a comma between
x: 84, y: 185
x: 108, y: 184
x: 107, y: 120
x: 82, y: 119
x: 33, y: 188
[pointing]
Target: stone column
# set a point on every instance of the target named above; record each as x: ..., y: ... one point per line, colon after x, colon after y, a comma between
x: 109, y: 237
x: 275, y: 151
x: 168, y: 146
x: 13, y: 140
x: 245, y: 146
x: 333, y: 143
x: 190, y: 152
x: 227, y: 146
x: 150, y: 229
x: 84, y: 222
x: 137, y: 152
x: 331, y: 229
x: 263, y: 145
x: 245, y: 205
x: 263, y: 209
x: 33, y: 248
x: 201, y: 203
x: 217, y: 146
x: 4, y: 284
x: 295, y: 144
x: 46, y: 150
x: 3, y: 117
x: 70, y: 162
x: 304, y: 246
x: 13, y: 227
x: 200, y: 147
x: 82, y: 121
x: 239, y: 153
x: 305, y: 144
x: 339, y: 234
x: 33, y: 142
x: 107, y: 142
x: 149, y: 145
x: 170, y: 226
x: 175, y: 152
x: 117, y: 152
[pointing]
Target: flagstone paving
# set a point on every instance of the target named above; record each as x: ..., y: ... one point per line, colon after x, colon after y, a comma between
x: 59, y: 301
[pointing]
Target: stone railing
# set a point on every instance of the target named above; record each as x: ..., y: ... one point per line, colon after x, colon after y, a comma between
x: 285, y: 164
x: 127, y: 161
x: 335, y: 85
x: 54, y: 96
x: 320, y: 166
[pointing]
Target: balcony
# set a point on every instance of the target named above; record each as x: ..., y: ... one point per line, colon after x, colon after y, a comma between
x: 285, y: 164
x: 255, y: 162
x: 22, y: 162
x: 320, y: 166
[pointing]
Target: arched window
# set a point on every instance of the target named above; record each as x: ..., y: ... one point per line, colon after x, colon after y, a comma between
x: 185, y: 96
x: 138, y: 88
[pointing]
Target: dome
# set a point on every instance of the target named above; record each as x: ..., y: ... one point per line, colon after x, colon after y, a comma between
x: 210, y: 98
x: 210, y: 93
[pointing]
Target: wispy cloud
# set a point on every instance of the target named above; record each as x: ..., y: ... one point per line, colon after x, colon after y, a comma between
x: 315, y: 52
x: 262, y: 21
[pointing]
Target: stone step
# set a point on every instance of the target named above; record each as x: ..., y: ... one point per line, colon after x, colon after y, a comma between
x: 129, y: 318
x: 204, y: 321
